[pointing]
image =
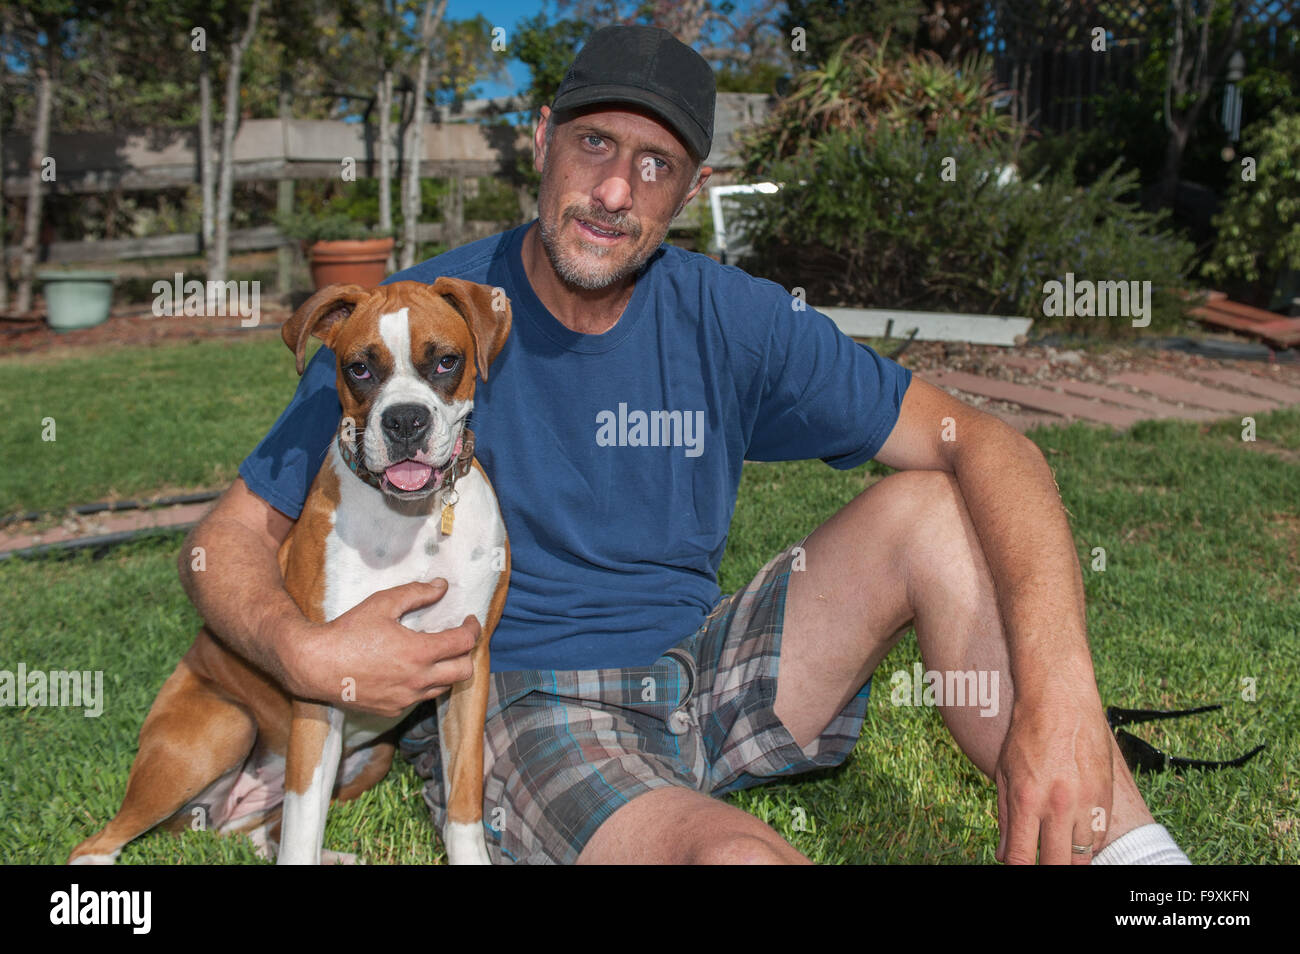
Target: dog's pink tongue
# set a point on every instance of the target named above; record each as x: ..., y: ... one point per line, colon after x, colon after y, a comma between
x: 409, y: 475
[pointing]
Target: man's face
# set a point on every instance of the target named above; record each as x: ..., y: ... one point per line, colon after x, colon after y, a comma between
x: 612, y: 181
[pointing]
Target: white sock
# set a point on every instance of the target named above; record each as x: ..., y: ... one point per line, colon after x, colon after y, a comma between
x: 1146, y: 845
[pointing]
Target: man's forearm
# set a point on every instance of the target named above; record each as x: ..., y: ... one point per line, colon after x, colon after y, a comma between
x: 1016, y: 508
x: 240, y: 593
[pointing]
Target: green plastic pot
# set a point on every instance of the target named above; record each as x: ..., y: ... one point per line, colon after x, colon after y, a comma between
x: 77, y: 299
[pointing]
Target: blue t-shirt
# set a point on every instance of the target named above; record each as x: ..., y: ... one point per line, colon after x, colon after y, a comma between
x: 616, y: 457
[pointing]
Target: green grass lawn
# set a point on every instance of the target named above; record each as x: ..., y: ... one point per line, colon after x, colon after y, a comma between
x: 1202, y: 540
x: 136, y: 420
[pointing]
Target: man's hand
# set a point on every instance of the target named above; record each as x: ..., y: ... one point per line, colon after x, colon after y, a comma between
x: 1053, y: 774
x: 242, y: 597
x: 366, y: 660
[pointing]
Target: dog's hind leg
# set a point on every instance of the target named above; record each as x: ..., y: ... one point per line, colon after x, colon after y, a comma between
x: 194, y: 734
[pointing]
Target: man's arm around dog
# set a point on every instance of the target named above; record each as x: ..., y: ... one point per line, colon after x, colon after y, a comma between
x: 241, y: 594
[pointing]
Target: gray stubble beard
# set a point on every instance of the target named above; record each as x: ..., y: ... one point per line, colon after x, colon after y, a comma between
x: 579, y: 274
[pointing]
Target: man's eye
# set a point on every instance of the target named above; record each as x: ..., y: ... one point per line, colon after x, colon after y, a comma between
x: 358, y: 371
x: 594, y: 140
x: 447, y: 364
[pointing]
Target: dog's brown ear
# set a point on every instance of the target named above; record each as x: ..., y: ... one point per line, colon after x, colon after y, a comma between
x: 318, y: 314
x: 487, y: 312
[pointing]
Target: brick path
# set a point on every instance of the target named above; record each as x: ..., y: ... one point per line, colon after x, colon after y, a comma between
x: 87, y: 530
x: 1202, y: 392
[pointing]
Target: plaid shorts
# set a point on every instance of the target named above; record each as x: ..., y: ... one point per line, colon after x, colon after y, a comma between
x: 564, y: 749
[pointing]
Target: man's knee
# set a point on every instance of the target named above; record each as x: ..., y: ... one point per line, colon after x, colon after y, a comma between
x: 683, y: 826
x: 927, y: 509
x: 743, y: 848
x: 917, y: 493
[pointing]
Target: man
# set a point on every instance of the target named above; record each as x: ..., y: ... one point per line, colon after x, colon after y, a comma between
x: 636, y: 380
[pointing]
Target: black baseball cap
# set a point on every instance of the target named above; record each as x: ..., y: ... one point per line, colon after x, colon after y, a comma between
x: 648, y: 67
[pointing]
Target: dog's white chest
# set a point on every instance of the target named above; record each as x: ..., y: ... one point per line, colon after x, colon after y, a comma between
x: 373, y: 548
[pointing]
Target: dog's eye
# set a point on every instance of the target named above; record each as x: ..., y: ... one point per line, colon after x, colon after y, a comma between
x: 358, y: 371
x: 447, y: 364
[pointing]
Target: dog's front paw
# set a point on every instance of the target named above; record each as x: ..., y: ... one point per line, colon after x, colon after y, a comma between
x: 465, y: 844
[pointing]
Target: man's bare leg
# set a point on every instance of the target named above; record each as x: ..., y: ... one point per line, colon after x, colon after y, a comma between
x: 903, y: 551
x: 931, y: 572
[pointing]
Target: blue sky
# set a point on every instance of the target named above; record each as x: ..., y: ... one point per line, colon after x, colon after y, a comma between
x: 503, y: 13
x: 507, y: 13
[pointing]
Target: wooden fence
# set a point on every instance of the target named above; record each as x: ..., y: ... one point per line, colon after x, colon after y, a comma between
x: 274, y: 150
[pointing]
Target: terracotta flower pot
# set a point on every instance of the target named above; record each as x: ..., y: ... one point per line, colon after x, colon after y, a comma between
x: 363, y: 262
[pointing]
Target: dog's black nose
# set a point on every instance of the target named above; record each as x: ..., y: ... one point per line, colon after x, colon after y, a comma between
x: 405, y: 422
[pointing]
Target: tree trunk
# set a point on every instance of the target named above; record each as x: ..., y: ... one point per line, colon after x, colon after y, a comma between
x: 219, y: 258
x: 1191, y: 72
x: 206, y: 183
x: 1167, y: 191
x: 284, y: 187
x: 384, y: 95
x: 429, y: 23
x: 35, y: 192
x: 453, y: 223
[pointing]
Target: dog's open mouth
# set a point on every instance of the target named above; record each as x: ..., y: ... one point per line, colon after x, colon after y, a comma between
x: 412, y: 476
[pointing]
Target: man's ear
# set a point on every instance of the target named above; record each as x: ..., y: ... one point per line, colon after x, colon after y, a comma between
x: 485, y: 309
x: 539, y: 138
x: 319, y: 315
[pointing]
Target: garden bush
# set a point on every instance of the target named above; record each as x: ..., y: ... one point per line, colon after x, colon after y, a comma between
x: 863, y: 87
x: 1259, y: 225
x: 868, y: 220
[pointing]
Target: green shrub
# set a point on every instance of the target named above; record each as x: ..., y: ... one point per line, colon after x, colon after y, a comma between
x: 871, y: 223
x: 311, y: 227
x: 864, y: 88
x: 496, y: 202
x: 1259, y: 225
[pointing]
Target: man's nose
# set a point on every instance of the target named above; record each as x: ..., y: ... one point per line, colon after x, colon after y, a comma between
x: 614, y: 193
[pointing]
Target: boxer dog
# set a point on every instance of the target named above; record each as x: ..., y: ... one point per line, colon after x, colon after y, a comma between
x: 399, y: 498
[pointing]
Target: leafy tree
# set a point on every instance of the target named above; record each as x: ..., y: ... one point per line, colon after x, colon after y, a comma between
x: 547, y: 49
x: 239, y: 24
x: 828, y: 23
x: 1203, y: 39
x: 1259, y: 226
x: 44, y: 34
x: 430, y: 20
